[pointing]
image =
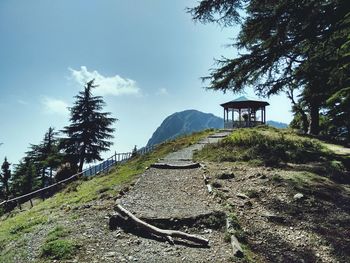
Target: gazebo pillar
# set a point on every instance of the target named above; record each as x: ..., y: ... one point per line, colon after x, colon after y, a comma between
x: 240, y: 117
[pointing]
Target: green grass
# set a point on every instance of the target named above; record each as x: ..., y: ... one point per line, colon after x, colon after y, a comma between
x: 76, y: 194
x: 59, y: 249
x: 57, y: 246
x: 262, y: 145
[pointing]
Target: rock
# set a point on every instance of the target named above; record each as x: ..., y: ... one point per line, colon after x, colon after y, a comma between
x: 111, y: 254
x: 243, y: 196
x: 225, y: 190
x: 274, y: 218
x: 226, y: 175
x: 298, y: 196
x: 263, y: 176
x: 216, y: 184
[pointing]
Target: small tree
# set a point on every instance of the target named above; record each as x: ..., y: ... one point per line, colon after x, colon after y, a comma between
x: 24, y: 179
x: 5, y: 176
x: 90, y: 130
x: 45, y: 156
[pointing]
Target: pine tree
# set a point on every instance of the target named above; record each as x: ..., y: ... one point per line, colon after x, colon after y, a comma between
x: 287, y: 43
x: 45, y: 156
x: 25, y: 179
x: 5, y: 176
x: 90, y: 129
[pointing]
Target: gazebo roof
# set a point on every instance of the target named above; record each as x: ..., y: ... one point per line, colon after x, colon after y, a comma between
x: 245, y: 102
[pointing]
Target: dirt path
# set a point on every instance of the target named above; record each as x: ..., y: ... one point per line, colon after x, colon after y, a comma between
x: 179, y: 196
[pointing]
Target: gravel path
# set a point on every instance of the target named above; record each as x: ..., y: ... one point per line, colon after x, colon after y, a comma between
x: 184, y: 156
x: 169, y: 194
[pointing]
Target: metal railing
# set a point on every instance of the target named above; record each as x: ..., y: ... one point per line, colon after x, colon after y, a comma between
x: 103, y: 167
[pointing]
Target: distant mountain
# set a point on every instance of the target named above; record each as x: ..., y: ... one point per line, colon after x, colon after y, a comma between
x: 184, y: 122
x: 189, y: 121
x: 276, y: 124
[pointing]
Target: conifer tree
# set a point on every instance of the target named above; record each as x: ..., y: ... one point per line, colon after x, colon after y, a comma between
x: 90, y: 130
x: 5, y: 176
x: 45, y: 156
x: 284, y: 44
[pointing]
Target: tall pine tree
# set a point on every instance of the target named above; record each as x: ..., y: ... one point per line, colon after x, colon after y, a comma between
x: 45, y: 156
x: 90, y: 130
x: 5, y: 176
x: 285, y: 44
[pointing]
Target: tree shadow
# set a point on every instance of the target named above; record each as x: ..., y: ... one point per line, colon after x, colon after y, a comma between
x: 325, y: 211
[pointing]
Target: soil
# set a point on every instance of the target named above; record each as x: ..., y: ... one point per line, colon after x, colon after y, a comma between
x: 284, y: 222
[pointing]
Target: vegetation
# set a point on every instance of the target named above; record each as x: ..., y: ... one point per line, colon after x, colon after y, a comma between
x: 47, y: 212
x: 90, y: 130
x: 56, y: 246
x: 4, y: 178
x: 267, y: 145
x: 55, y: 159
x: 287, y: 46
x: 275, y: 147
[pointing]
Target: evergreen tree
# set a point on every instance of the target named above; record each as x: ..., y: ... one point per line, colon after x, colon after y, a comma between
x: 90, y: 129
x: 287, y: 43
x: 45, y: 156
x: 25, y: 179
x: 5, y: 176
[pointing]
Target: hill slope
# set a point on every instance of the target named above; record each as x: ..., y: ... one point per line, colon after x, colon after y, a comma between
x: 293, y: 211
x: 184, y: 122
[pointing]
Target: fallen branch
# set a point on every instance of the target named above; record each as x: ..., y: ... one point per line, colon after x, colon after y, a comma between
x: 167, y: 234
x: 175, y: 166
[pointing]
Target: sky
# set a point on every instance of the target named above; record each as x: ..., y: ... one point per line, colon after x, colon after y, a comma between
x: 147, y: 57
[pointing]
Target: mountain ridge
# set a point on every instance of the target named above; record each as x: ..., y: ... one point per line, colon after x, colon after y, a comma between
x: 189, y: 121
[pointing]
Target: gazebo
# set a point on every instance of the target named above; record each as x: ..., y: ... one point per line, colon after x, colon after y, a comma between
x: 244, y: 112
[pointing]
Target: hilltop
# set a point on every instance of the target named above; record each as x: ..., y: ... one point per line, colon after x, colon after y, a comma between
x: 189, y: 121
x: 287, y: 198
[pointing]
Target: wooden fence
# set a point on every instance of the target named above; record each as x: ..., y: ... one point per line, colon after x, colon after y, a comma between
x: 103, y: 167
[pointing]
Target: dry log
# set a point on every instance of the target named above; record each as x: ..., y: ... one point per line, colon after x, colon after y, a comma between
x: 168, y: 234
x: 175, y: 166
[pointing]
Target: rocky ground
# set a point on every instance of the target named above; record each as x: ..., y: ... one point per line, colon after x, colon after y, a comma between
x: 284, y: 220
x: 283, y: 215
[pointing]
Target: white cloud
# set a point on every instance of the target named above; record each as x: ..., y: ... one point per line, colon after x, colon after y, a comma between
x: 55, y: 106
x: 114, y: 85
x: 162, y: 91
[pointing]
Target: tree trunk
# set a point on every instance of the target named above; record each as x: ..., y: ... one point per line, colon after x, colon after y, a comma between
x: 81, y: 159
x: 314, y: 119
x: 7, y: 189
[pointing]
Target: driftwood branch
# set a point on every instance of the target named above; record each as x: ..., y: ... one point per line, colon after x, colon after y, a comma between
x: 167, y: 234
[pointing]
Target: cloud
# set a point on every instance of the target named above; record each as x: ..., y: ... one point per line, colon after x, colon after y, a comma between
x: 55, y: 106
x: 114, y: 85
x: 162, y: 91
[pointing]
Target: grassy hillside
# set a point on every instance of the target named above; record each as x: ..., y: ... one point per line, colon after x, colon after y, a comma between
x: 49, y: 229
x: 289, y: 194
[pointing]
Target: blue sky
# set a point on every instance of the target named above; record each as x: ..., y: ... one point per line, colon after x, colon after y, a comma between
x: 147, y: 56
